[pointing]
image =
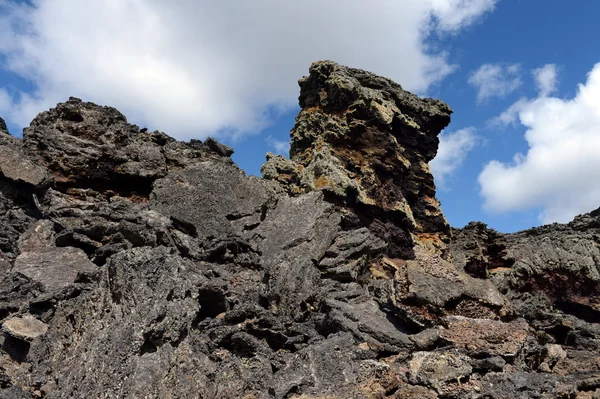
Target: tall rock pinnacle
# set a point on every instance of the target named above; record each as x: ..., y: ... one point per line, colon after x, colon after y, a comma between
x: 365, y: 140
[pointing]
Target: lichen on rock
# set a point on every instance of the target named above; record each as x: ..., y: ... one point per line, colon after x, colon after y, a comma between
x: 364, y: 139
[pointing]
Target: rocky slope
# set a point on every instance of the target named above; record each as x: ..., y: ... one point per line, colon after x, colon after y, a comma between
x: 136, y: 266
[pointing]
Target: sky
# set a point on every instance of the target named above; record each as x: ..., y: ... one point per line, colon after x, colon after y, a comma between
x: 522, y: 76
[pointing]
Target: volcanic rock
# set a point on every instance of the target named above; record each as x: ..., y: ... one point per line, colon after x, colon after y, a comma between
x: 3, y: 128
x: 485, y: 338
x: 366, y: 143
x: 26, y: 328
x: 83, y: 144
x: 134, y: 265
x: 364, y: 139
x: 54, y: 268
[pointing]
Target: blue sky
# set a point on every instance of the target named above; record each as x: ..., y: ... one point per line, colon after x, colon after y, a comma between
x: 531, y: 34
x: 198, y: 69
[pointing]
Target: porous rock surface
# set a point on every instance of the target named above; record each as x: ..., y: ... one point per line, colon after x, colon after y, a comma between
x: 136, y: 266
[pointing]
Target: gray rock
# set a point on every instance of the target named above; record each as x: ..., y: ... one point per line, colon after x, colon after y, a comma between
x: 212, y: 199
x: 14, y: 166
x: 55, y: 268
x: 526, y: 385
x: 493, y: 363
x: 39, y: 235
x: 81, y: 143
x: 435, y: 368
x: 292, y: 240
x: 3, y: 128
x: 5, y: 264
x: 348, y: 258
x: 218, y: 148
x: 426, y: 339
x: 367, y: 323
x: 140, y: 317
x: 134, y: 265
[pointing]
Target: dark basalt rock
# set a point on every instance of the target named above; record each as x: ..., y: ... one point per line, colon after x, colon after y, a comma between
x: 85, y: 145
x: 3, y: 128
x: 134, y: 265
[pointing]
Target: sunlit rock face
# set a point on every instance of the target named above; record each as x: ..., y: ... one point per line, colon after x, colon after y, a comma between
x: 363, y: 139
x: 366, y: 143
x: 133, y: 265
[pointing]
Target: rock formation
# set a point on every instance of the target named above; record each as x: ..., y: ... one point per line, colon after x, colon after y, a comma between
x: 3, y: 128
x: 136, y: 266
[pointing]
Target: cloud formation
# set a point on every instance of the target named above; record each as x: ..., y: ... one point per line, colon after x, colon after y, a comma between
x: 546, y: 79
x: 193, y: 68
x: 495, y: 80
x: 560, y: 171
x: 451, y: 154
x: 281, y: 147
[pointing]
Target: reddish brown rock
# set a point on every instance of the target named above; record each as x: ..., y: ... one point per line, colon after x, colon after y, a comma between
x: 485, y: 337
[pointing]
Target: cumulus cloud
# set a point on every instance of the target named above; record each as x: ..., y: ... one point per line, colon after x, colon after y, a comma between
x: 546, y: 79
x: 280, y: 146
x: 452, y: 152
x: 510, y: 115
x: 455, y: 14
x: 194, y: 68
x: 560, y: 171
x: 495, y: 80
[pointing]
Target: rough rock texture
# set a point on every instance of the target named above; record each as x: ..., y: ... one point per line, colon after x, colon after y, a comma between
x: 3, y: 128
x: 363, y: 139
x: 26, y: 328
x: 136, y: 266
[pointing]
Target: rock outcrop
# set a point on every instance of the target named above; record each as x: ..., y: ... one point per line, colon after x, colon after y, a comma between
x: 366, y: 141
x: 136, y: 266
x: 3, y: 128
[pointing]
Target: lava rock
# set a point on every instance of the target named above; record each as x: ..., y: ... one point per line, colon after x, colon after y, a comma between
x: 26, y: 328
x: 55, y: 268
x: 3, y: 127
x: 135, y: 265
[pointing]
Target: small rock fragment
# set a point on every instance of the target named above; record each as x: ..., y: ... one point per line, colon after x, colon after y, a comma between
x: 40, y: 235
x: 433, y: 368
x: 426, y: 339
x: 54, y: 268
x: 485, y: 337
x: 26, y: 328
x: 218, y: 148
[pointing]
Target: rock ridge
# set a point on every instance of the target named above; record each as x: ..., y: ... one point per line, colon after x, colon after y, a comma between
x: 135, y: 265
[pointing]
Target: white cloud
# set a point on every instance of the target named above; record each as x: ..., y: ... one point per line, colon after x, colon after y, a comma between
x: 495, y: 80
x: 510, y: 115
x: 546, y: 79
x: 560, y: 171
x: 195, y: 67
x: 451, y: 154
x: 455, y: 14
x: 281, y: 147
